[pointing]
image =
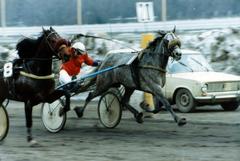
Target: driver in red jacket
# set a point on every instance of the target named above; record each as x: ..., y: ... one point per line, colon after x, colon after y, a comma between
x: 71, y: 65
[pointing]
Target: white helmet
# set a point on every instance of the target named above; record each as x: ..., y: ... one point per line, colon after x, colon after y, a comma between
x: 79, y: 46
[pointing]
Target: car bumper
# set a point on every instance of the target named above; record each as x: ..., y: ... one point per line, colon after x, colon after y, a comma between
x: 218, y: 97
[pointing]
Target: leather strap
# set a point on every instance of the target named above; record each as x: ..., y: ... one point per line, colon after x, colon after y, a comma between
x: 152, y: 67
x: 36, y: 76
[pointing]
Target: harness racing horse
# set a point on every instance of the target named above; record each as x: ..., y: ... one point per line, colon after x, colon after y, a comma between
x: 34, y: 82
x: 146, y: 73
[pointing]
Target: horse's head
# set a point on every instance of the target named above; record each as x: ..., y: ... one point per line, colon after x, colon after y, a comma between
x: 172, y: 45
x: 55, y: 42
x: 168, y: 44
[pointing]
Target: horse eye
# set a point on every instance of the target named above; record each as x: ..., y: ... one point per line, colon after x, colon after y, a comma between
x: 166, y: 41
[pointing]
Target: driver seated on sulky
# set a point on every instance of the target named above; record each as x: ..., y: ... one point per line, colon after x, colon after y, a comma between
x: 72, y: 63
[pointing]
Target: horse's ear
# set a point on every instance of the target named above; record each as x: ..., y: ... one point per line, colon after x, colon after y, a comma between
x: 43, y: 29
x: 161, y: 32
x: 51, y: 29
x: 174, y: 29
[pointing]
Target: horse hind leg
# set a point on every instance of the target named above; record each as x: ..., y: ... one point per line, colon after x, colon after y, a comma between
x: 80, y: 109
x: 125, y: 101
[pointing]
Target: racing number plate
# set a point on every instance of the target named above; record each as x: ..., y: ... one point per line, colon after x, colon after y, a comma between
x: 8, y: 70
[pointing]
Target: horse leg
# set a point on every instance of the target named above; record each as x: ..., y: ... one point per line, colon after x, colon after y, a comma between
x: 80, y: 109
x: 56, y: 95
x: 159, y: 96
x: 125, y: 102
x: 28, y: 115
x: 178, y: 120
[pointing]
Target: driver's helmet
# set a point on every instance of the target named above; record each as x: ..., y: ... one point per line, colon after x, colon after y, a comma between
x: 80, y: 47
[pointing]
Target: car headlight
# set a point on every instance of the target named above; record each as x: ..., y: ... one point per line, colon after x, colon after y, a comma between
x: 204, y: 89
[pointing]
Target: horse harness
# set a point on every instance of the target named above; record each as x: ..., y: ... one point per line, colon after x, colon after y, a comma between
x: 135, y: 65
x: 17, y: 70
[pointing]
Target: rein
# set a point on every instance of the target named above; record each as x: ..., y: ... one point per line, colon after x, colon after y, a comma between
x: 49, y: 45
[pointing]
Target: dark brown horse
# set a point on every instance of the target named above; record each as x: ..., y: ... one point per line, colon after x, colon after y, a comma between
x: 146, y: 73
x: 33, y: 80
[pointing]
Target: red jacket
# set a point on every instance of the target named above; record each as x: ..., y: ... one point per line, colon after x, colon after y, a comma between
x: 73, y: 66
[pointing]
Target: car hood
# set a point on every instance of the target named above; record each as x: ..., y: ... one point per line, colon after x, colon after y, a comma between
x: 207, y: 76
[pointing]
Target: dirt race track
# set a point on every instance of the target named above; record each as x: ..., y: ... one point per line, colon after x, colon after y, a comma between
x: 210, y: 135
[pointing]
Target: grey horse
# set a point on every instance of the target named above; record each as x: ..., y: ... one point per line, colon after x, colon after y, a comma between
x: 146, y: 73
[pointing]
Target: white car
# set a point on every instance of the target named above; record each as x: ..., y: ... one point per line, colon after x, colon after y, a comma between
x: 191, y: 82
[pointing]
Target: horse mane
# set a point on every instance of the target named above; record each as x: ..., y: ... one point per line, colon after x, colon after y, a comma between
x: 28, y: 46
x: 153, y: 43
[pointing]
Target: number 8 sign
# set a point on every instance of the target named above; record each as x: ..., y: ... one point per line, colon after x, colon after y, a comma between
x: 8, y: 70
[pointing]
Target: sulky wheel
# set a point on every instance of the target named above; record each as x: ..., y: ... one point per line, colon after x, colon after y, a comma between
x: 51, y: 119
x: 109, y: 109
x: 4, y: 123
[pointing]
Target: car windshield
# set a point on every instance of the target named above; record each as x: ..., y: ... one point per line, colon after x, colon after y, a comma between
x: 189, y: 63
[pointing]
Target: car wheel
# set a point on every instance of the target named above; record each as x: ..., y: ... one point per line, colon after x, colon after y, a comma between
x: 230, y: 106
x: 185, y: 101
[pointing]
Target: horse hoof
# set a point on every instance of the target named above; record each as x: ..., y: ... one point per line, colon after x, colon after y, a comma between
x: 79, y: 111
x: 182, y: 122
x: 33, y: 143
x: 139, y: 118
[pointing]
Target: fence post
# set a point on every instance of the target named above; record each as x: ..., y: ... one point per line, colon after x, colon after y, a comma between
x: 2, y: 13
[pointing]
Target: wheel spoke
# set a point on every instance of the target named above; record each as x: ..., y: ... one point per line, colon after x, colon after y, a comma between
x: 105, y: 102
x: 56, y: 106
x: 110, y: 105
x: 53, y: 122
x: 109, y: 110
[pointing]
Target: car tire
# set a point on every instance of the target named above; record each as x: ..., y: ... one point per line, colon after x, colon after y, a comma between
x: 185, y: 101
x: 230, y: 106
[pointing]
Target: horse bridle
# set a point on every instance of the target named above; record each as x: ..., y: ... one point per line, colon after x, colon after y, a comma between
x: 49, y: 44
x: 170, y: 48
x: 172, y: 44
